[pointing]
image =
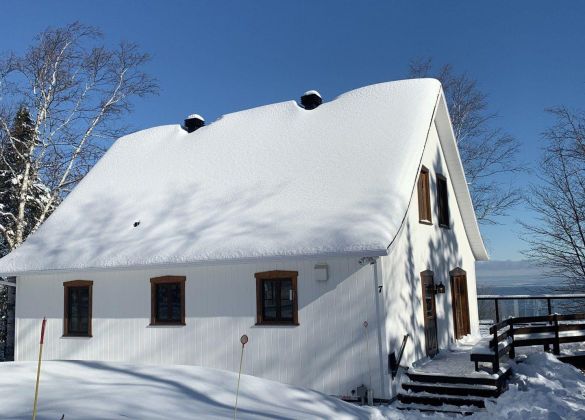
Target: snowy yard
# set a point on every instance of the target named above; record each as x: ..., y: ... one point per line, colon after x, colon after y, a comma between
x: 543, y: 388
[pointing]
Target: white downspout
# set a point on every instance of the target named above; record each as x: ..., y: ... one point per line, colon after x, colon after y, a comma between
x: 377, y: 292
x: 373, y: 261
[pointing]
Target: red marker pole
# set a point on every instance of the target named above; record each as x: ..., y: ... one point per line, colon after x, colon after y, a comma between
x: 243, y: 340
x: 34, y: 416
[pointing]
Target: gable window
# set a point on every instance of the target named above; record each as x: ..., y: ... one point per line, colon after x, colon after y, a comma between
x: 442, y: 201
x: 276, y: 298
x: 167, y: 300
x: 424, y: 197
x: 77, y: 313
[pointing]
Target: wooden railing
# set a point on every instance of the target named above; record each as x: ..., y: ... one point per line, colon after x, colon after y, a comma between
x: 548, y: 298
x: 544, y: 330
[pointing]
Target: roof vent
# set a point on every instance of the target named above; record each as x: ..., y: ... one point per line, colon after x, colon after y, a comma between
x: 311, y: 100
x: 193, y: 122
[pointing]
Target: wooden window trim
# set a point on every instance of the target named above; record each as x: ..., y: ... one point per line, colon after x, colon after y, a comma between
x: 276, y: 274
x: 165, y: 280
x: 443, y: 200
x: 66, y: 286
x: 424, y: 197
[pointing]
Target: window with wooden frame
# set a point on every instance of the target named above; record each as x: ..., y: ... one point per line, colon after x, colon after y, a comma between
x: 276, y: 298
x: 77, y: 312
x: 424, y: 197
x: 442, y: 201
x: 167, y: 300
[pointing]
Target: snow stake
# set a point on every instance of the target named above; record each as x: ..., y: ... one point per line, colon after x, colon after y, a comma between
x: 243, y: 340
x: 34, y: 416
x: 365, y: 324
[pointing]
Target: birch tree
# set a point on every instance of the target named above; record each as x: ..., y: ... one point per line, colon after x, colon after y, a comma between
x: 557, y: 239
x: 75, y: 91
x: 487, y: 151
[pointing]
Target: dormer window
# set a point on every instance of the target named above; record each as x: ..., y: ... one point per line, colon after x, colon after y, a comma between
x: 424, y: 197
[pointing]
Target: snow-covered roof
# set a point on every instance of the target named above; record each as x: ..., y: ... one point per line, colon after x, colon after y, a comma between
x: 269, y: 182
x: 195, y: 116
x: 312, y: 92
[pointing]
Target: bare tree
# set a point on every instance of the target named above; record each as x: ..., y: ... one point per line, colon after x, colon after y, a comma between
x: 75, y: 90
x: 486, y: 151
x: 557, y: 239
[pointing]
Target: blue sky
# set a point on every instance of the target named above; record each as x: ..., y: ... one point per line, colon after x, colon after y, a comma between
x: 215, y: 57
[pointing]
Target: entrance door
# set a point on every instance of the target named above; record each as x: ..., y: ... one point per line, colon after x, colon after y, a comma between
x: 430, y: 312
x: 460, y: 303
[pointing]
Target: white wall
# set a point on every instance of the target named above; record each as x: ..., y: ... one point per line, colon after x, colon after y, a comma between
x: 326, y: 352
x: 421, y: 247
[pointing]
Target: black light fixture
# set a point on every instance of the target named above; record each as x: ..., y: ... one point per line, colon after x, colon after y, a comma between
x: 439, y: 288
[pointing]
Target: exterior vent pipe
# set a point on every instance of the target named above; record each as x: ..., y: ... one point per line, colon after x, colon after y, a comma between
x: 193, y: 122
x: 311, y: 100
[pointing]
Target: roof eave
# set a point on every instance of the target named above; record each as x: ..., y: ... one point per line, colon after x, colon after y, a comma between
x: 461, y: 189
x: 210, y: 262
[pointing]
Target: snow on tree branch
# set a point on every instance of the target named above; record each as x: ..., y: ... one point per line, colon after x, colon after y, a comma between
x: 63, y: 102
x: 485, y: 151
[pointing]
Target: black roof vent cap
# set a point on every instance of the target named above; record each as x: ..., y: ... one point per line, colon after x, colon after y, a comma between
x: 193, y: 122
x: 311, y: 100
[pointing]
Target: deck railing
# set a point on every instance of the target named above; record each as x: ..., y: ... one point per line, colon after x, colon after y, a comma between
x: 511, y: 333
x: 494, y: 308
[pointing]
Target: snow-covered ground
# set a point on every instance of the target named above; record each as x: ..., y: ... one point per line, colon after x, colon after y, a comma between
x: 543, y: 388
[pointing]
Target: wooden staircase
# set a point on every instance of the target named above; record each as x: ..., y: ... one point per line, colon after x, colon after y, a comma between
x: 453, y: 394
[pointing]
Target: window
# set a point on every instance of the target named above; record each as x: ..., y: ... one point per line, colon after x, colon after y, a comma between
x: 424, y: 197
x: 77, y: 313
x: 442, y: 201
x: 167, y: 298
x: 276, y: 298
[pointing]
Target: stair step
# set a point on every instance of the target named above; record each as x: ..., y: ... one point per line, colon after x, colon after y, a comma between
x: 466, y: 411
x: 439, y: 400
x: 446, y: 379
x: 449, y: 389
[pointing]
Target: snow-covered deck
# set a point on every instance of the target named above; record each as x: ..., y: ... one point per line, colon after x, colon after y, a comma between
x: 455, y: 361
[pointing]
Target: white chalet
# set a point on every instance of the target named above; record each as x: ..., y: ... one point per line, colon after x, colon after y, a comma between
x: 292, y: 224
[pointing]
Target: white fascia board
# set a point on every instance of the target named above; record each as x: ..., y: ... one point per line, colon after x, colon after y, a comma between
x: 251, y: 260
x: 455, y: 166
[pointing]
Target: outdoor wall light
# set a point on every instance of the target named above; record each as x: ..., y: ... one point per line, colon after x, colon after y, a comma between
x: 439, y: 288
x: 321, y: 272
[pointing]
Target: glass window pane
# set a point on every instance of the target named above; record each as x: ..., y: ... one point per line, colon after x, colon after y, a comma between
x: 168, y: 302
x: 429, y: 300
x: 162, y: 307
x: 175, y: 294
x: 286, y: 307
x: 269, y: 300
x: 78, y: 310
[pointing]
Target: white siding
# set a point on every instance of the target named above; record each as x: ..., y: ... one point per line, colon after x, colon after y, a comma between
x: 421, y: 247
x: 326, y: 352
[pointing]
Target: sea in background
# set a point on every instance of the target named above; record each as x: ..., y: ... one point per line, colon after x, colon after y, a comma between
x: 514, y: 278
x: 507, y: 278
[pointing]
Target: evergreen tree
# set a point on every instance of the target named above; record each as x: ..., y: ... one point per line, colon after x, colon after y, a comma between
x: 14, y: 156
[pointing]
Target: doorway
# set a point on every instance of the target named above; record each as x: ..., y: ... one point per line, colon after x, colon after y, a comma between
x: 460, y: 303
x: 430, y: 312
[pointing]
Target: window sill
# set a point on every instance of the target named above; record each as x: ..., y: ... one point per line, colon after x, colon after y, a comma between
x: 76, y: 336
x: 170, y: 324
x: 445, y: 226
x: 276, y: 324
x: 425, y: 222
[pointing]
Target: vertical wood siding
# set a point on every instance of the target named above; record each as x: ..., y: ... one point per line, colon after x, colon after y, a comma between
x: 420, y: 247
x: 326, y: 352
